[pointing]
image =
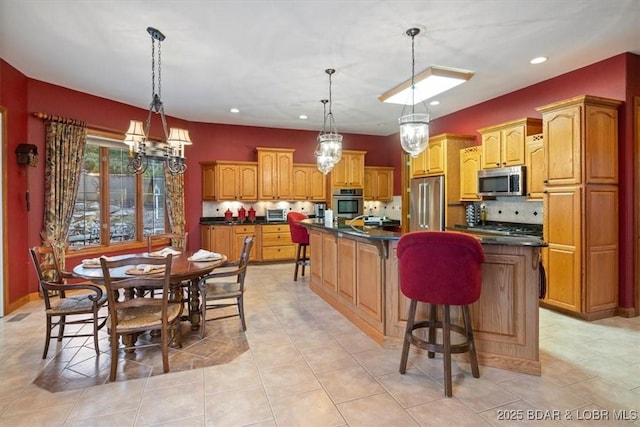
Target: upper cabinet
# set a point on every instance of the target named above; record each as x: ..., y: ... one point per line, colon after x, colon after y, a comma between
x: 308, y: 183
x: 349, y: 172
x: 534, y: 161
x: 431, y: 161
x: 503, y: 145
x: 275, y: 173
x: 469, y: 167
x: 222, y: 180
x: 378, y: 183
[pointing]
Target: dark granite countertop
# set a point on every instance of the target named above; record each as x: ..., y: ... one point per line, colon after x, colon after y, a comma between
x: 215, y: 220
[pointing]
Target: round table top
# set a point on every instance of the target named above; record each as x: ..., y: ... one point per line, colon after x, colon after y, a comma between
x: 181, y: 269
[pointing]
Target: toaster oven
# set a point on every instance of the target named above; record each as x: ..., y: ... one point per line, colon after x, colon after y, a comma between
x: 276, y: 215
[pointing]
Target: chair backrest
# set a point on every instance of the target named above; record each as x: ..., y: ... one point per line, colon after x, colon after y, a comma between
x: 48, y: 271
x: 129, y: 286
x: 243, y: 261
x: 440, y: 267
x: 175, y: 240
x: 299, y: 234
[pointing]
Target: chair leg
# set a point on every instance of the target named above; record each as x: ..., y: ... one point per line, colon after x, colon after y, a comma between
x: 48, y: 338
x: 114, y: 355
x: 473, y: 357
x: 203, y: 313
x: 295, y: 273
x: 63, y: 320
x: 165, y: 350
x: 433, y: 308
x: 407, y: 336
x: 446, y: 339
x: 304, y: 258
x: 241, y: 312
x: 95, y: 332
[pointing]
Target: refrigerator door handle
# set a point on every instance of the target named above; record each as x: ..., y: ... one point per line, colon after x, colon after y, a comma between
x: 426, y: 201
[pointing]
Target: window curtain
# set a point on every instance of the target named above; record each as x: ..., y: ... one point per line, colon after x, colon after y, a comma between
x: 65, y: 143
x: 175, y: 201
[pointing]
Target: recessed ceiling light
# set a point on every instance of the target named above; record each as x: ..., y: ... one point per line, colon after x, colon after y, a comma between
x: 435, y: 102
x: 303, y: 117
x: 234, y: 110
x: 538, y: 60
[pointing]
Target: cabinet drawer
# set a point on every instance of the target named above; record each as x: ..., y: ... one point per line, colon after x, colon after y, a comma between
x: 276, y: 239
x: 244, y: 229
x: 270, y: 253
x: 275, y: 228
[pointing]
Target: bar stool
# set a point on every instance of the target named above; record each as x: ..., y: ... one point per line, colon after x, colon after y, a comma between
x: 442, y: 269
x: 299, y: 236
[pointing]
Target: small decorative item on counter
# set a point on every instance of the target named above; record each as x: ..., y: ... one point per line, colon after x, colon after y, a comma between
x: 242, y: 214
x: 228, y: 216
x: 252, y: 214
x: 483, y: 214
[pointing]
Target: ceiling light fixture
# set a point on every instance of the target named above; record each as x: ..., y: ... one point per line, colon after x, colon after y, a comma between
x: 414, y: 127
x: 329, y: 150
x: 538, y: 60
x: 137, y: 136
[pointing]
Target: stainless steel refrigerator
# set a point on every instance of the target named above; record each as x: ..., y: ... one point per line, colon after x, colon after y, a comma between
x: 427, y: 203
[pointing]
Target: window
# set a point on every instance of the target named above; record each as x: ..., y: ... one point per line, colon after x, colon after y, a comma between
x: 114, y: 206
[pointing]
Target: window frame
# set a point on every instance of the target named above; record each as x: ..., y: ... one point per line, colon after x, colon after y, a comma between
x: 115, y: 140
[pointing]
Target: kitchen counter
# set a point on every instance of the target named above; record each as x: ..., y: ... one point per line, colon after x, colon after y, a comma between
x: 357, y: 273
x: 220, y: 221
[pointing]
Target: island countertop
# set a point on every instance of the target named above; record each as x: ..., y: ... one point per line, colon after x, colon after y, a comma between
x: 374, y: 234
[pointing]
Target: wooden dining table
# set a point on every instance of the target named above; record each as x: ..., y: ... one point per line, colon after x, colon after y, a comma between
x: 182, y: 270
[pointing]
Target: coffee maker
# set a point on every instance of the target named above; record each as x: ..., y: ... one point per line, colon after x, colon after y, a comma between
x: 319, y: 210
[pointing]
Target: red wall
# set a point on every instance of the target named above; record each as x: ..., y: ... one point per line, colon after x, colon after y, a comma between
x: 613, y: 78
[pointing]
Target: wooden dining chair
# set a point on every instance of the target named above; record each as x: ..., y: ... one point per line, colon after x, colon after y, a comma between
x: 175, y: 240
x: 219, y: 294
x: 84, y: 307
x: 136, y: 314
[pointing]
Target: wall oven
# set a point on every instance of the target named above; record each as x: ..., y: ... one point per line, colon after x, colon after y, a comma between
x: 347, y: 202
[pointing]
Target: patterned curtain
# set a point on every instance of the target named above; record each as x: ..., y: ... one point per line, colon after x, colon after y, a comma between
x: 175, y: 201
x: 65, y: 142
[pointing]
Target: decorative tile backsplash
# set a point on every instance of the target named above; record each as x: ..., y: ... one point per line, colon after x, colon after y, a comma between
x: 513, y: 209
x: 391, y: 210
x: 217, y: 209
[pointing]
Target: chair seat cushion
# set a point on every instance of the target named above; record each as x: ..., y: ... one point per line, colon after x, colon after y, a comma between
x: 218, y: 290
x: 145, y: 317
x: 75, y: 304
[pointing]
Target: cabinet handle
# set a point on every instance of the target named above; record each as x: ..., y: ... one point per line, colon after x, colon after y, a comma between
x: 546, y: 181
x: 497, y: 164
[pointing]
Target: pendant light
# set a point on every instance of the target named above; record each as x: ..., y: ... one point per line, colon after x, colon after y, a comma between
x: 137, y: 135
x: 324, y: 161
x: 329, y: 150
x: 414, y: 127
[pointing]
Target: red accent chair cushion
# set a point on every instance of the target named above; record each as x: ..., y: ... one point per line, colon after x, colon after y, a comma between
x: 299, y: 234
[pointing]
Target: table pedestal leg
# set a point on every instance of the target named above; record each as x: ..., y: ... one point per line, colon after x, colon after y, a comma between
x: 194, y: 305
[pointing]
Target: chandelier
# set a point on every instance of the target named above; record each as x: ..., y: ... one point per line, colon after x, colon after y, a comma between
x: 329, y: 149
x: 414, y: 127
x: 136, y: 137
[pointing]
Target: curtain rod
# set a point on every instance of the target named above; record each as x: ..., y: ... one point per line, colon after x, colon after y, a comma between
x: 58, y: 119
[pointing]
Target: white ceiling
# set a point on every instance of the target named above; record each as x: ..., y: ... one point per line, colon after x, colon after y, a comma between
x: 267, y: 57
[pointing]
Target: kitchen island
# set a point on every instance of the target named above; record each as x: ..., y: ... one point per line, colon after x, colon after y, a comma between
x: 356, y: 271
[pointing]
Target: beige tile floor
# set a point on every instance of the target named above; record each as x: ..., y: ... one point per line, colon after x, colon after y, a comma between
x: 301, y: 363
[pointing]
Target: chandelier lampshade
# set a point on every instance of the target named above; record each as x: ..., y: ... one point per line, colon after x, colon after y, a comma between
x: 329, y: 143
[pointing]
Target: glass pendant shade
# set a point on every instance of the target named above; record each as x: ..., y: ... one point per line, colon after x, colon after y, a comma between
x: 414, y: 132
x: 329, y: 143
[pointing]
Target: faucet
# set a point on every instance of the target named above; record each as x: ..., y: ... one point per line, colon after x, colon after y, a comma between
x: 354, y: 219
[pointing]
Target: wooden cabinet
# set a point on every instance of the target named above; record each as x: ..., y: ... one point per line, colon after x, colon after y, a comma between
x: 349, y: 172
x: 580, y: 205
x: 217, y: 238
x: 378, y: 183
x: 239, y: 233
x: 275, y: 173
x: 470, y: 159
x: 308, y: 183
x: 431, y: 161
x: 223, y: 180
x: 504, y: 145
x: 535, y: 169
x: 347, y: 272
x: 276, y: 242
x: 369, y: 300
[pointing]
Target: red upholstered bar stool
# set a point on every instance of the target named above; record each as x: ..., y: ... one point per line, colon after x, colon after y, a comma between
x: 299, y: 236
x: 440, y: 268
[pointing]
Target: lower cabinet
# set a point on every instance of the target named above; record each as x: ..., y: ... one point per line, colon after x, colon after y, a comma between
x: 239, y: 233
x: 276, y: 243
x: 217, y: 238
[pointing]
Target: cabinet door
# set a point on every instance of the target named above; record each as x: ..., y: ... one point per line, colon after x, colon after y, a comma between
x: 419, y: 164
x: 534, y: 155
x: 208, y: 182
x: 562, y: 140
x: 435, y: 158
x: 347, y: 271
x: 513, y: 142
x: 329, y: 263
x: 601, y: 145
x: 284, y: 182
x: 301, y: 178
x: 317, y: 187
x: 469, y: 167
x: 339, y: 173
x: 205, y: 237
x: 316, y: 267
x: 491, y: 149
x: 220, y: 241
x: 369, y: 284
x: 356, y: 170
x: 268, y: 175
x: 384, y: 181
x: 562, y: 222
x: 227, y: 182
x: 248, y: 182
x: 370, y: 184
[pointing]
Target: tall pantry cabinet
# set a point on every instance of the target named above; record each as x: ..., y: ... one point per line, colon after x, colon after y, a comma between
x: 581, y: 205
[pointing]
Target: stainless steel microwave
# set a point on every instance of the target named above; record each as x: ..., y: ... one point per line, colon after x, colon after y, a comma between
x: 347, y: 202
x: 502, y: 181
